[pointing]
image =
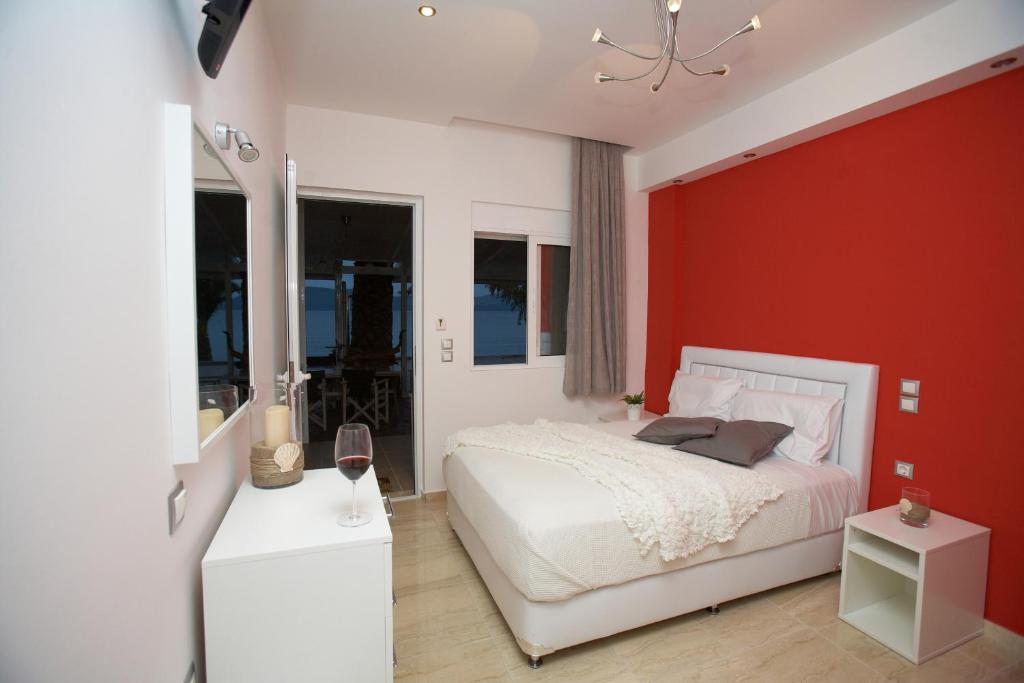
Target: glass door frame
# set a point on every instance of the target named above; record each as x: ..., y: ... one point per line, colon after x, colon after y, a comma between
x: 416, y: 203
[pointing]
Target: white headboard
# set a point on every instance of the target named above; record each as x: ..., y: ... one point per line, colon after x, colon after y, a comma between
x: 855, y: 383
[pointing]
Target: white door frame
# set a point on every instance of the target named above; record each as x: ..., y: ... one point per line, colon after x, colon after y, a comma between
x: 416, y: 202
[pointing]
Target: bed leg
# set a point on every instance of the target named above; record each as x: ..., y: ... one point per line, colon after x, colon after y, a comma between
x: 536, y: 661
x: 714, y: 609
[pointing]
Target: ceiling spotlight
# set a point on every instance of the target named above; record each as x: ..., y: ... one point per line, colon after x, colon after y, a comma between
x: 427, y: 10
x: 677, y: 181
x: 666, y: 17
x: 749, y: 155
x: 247, y: 151
x: 1003, y: 62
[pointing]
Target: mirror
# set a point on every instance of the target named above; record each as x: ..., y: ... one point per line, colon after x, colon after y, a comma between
x: 208, y: 249
x: 222, y: 285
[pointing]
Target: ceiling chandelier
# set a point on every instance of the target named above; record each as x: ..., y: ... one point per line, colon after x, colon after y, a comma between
x: 666, y: 15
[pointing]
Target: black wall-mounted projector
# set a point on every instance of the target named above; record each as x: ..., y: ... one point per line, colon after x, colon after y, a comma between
x: 223, y: 17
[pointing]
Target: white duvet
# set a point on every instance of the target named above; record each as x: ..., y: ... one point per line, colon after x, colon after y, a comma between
x: 566, y: 508
x: 678, y: 501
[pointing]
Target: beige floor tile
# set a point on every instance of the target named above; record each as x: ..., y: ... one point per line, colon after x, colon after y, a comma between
x: 946, y: 668
x: 484, y: 602
x: 1013, y: 674
x: 864, y: 648
x: 818, y: 607
x: 997, y: 648
x: 660, y: 651
x: 413, y: 572
x: 435, y: 619
x: 804, y: 656
x: 410, y: 509
x: 784, y: 594
x: 409, y: 536
x: 587, y: 663
x: 751, y: 624
x: 472, y: 662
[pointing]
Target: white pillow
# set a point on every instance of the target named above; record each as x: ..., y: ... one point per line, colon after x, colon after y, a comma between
x: 814, y: 420
x: 699, y: 396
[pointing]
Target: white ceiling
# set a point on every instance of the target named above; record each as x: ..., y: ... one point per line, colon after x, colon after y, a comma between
x: 530, y: 63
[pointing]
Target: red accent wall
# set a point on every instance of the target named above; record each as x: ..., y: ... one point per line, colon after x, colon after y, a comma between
x: 900, y: 242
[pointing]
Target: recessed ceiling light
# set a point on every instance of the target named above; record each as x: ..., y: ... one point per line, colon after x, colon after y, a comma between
x: 1003, y: 62
x: 749, y: 155
x: 427, y: 10
x: 677, y: 182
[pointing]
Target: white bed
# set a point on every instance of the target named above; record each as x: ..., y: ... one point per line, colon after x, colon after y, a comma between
x: 564, y: 569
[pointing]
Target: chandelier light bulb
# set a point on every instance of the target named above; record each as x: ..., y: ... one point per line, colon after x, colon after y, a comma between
x: 666, y: 15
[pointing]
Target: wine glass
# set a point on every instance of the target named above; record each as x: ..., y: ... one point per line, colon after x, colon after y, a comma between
x: 353, y: 453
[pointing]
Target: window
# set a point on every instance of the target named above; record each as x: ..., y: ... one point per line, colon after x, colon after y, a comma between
x: 553, y: 283
x: 499, y: 301
x: 520, y: 299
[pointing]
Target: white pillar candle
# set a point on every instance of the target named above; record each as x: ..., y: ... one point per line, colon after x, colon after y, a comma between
x: 276, y: 423
x: 209, y: 420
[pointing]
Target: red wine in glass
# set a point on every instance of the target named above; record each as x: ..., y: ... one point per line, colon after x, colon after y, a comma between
x: 353, y: 453
x: 353, y: 466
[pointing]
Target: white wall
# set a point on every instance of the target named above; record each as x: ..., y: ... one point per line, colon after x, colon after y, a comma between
x: 451, y: 167
x: 93, y: 587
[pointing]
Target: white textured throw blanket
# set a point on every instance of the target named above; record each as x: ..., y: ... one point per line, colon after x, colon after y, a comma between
x: 682, y: 502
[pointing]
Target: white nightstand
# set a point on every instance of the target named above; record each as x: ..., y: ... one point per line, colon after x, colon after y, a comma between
x: 620, y: 416
x: 919, y: 592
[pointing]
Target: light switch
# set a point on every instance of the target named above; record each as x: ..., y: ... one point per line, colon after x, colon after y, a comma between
x: 440, y: 324
x: 176, y: 506
x: 908, y: 404
x: 446, y: 344
x: 904, y: 469
x: 910, y: 387
x: 446, y: 356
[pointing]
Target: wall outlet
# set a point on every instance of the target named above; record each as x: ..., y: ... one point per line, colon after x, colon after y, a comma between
x: 904, y: 469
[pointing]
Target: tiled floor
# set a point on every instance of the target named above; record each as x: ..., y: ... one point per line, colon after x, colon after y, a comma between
x: 447, y: 629
x: 393, y: 457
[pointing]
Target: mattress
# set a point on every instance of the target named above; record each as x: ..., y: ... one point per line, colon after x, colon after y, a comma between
x: 555, y: 533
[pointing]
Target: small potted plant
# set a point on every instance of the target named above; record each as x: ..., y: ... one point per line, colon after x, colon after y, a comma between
x: 634, y: 406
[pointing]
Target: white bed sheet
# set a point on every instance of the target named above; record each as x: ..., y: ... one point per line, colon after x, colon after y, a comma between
x: 556, y: 534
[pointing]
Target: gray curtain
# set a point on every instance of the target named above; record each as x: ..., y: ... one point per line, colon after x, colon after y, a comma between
x: 595, y: 359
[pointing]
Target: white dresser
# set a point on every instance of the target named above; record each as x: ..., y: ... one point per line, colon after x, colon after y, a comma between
x: 288, y: 595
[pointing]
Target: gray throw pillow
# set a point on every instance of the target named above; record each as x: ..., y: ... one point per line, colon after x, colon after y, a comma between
x: 670, y: 431
x: 743, y: 442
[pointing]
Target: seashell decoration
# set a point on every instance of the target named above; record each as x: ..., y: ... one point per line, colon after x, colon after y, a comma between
x: 916, y: 514
x: 286, y: 454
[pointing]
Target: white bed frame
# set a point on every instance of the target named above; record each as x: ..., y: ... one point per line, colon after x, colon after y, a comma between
x: 541, y: 628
